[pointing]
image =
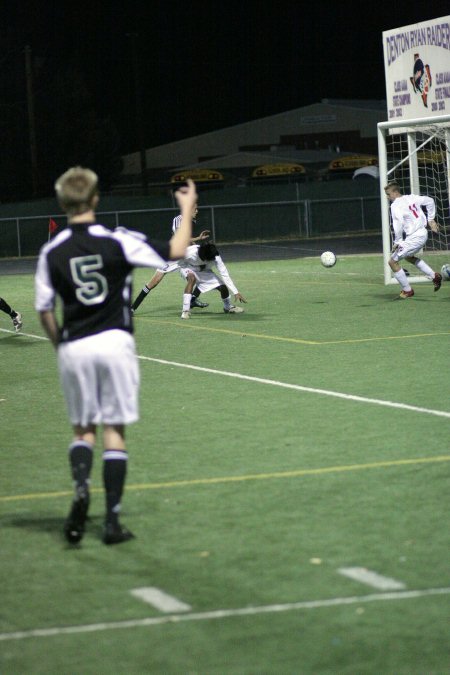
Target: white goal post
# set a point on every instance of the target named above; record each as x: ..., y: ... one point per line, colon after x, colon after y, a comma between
x: 416, y: 154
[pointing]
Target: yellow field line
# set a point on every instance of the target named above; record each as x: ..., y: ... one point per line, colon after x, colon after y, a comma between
x: 240, y: 333
x: 261, y: 336
x: 387, y: 337
x: 246, y: 477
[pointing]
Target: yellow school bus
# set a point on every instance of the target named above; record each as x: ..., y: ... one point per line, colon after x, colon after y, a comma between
x: 198, y: 176
x: 276, y: 170
x: 352, y: 162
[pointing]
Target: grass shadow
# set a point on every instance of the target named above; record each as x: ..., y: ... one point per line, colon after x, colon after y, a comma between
x: 52, y: 525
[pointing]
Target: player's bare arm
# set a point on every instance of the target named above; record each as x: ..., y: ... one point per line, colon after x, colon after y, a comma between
x: 186, y: 198
x: 48, y: 321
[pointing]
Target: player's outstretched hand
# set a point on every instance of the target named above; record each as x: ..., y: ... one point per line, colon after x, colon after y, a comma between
x: 239, y: 297
x: 186, y: 196
x: 394, y: 248
x: 204, y: 234
x: 434, y: 227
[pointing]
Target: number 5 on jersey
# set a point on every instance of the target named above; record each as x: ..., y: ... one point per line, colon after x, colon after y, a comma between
x: 92, y: 286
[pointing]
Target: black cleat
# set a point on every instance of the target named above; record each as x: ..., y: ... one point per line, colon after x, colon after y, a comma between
x: 116, y: 534
x: 74, y: 525
x: 198, y: 303
x: 437, y: 281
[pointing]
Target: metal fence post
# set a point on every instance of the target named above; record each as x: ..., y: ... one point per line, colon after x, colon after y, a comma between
x: 307, y: 217
x: 19, y: 248
x: 299, y: 210
x: 213, y: 224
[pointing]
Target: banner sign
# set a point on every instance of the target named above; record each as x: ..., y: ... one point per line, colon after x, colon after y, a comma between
x: 417, y: 69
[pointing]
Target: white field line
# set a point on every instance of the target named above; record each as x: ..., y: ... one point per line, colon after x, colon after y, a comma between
x: 13, y: 332
x: 159, y: 599
x: 365, y: 576
x: 298, y: 387
x: 221, y: 614
x: 285, y: 385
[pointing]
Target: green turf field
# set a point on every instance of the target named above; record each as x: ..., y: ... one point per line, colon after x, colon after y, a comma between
x: 275, y: 448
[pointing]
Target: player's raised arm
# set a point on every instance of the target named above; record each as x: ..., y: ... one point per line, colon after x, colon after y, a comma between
x: 186, y: 198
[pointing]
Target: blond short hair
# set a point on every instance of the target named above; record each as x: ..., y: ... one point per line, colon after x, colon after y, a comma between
x: 393, y: 185
x: 75, y: 190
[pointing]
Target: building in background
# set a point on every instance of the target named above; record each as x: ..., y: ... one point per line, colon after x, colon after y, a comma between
x: 312, y: 136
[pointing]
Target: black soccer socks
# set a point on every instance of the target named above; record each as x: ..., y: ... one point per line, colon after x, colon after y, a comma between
x: 80, y: 458
x: 114, y: 473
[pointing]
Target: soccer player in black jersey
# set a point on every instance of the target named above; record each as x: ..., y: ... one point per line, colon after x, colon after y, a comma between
x: 89, y: 267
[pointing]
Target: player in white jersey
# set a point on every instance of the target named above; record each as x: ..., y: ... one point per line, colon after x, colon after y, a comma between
x: 89, y: 268
x: 409, y: 222
x: 172, y: 267
x: 197, y: 269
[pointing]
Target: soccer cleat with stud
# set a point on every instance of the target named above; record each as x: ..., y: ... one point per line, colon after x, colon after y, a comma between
x: 437, y: 281
x: 17, y: 322
x: 233, y: 310
x: 406, y: 294
x: 116, y: 534
x: 195, y: 302
x: 185, y: 315
x: 74, y: 525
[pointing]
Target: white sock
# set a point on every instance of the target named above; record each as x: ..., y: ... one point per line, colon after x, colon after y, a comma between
x: 227, y: 303
x: 426, y: 269
x: 402, y: 279
x: 187, y: 302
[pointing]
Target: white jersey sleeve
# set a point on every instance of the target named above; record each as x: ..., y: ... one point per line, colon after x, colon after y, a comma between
x: 225, y: 274
x: 176, y: 222
x: 137, y: 251
x: 428, y: 203
x: 45, y: 295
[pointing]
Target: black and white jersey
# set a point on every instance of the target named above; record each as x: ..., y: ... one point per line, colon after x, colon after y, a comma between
x: 176, y: 222
x: 90, y: 268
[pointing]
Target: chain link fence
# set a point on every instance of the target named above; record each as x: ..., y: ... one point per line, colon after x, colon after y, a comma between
x: 235, y: 222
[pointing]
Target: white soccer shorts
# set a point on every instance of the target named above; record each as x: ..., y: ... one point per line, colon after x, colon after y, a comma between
x: 205, y: 281
x: 411, y: 245
x: 169, y: 267
x: 100, y: 378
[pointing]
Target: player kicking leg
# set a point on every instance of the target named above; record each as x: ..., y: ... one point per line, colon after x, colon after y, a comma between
x: 15, y: 316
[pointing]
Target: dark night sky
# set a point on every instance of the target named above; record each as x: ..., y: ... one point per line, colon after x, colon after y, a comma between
x: 205, y: 64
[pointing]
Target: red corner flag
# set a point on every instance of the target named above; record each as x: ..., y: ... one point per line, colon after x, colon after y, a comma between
x: 52, y: 226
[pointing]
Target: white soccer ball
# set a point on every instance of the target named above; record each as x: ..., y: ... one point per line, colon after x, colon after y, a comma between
x: 445, y: 271
x: 328, y: 259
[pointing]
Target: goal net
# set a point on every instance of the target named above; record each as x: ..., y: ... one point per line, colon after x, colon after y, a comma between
x: 416, y: 154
